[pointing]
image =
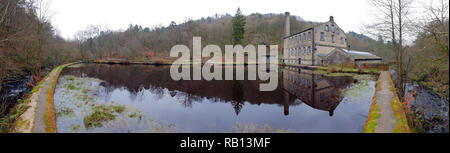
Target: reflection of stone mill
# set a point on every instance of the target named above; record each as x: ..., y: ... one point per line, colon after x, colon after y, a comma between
x: 316, y: 90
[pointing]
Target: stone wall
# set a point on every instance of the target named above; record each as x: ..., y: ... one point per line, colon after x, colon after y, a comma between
x: 338, y: 58
x: 337, y: 32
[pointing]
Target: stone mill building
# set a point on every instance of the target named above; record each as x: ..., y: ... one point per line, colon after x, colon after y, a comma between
x: 321, y: 45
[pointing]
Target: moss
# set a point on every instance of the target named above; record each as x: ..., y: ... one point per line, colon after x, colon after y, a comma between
x: 100, y: 114
x: 71, y: 78
x: 118, y: 108
x: 374, y: 112
x: 135, y: 115
x: 85, y: 91
x: 75, y: 127
x: 71, y: 87
x: 399, y: 112
x: 319, y: 72
x: 65, y: 111
x: 371, y: 122
x: 339, y: 74
x: 400, y: 116
x: 49, y: 115
x: 347, y: 69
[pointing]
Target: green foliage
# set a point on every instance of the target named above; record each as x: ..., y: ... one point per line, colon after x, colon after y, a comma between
x: 238, y: 23
x: 101, y: 114
x: 118, y: 108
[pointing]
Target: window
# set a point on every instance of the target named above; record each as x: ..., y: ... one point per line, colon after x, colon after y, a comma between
x: 338, y: 31
x: 304, y: 37
x: 332, y: 28
x: 326, y: 27
x: 309, y: 50
x: 322, y: 36
x: 309, y: 35
x: 332, y: 38
x: 342, y: 40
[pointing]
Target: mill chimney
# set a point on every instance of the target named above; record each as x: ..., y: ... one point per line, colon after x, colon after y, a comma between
x: 287, y: 26
x: 331, y: 18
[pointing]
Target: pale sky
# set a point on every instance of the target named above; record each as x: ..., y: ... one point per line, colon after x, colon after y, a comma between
x: 70, y: 16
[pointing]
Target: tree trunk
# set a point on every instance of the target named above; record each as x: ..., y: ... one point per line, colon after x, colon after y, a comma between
x: 400, y: 52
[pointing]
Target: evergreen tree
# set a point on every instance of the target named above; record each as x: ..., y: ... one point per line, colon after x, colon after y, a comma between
x: 238, y: 28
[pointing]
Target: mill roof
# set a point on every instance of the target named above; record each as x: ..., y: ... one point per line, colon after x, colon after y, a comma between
x: 360, y: 54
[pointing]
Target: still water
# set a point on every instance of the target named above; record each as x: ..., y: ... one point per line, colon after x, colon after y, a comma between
x: 153, y: 102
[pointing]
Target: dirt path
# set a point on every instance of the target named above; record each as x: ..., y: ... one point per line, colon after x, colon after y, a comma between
x: 41, y: 103
x: 36, y: 115
x: 387, y: 120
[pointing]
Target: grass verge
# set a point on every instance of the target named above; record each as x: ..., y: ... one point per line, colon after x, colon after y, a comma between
x: 374, y: 112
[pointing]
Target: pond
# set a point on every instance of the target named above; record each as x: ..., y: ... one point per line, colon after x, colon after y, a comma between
x: 143, y: 98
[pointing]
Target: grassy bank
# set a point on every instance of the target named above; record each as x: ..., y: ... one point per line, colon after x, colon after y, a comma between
x: 374, y: 112
x: 49, y: 115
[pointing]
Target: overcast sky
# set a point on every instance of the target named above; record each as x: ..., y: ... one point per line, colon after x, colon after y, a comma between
x: 70, y: 16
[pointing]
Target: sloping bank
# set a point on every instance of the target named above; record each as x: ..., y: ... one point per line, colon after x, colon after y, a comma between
x: 386, y: 114
x: 38, y: 115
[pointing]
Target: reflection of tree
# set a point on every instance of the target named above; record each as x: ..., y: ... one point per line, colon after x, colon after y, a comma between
x: 172, y: 93
x: 156, y: 79
x: 187, y: 99
x: 158, y: 91
x: 132, y: 95
x: 237, y: 106
x: 238, y: 96
x: 140, y: 94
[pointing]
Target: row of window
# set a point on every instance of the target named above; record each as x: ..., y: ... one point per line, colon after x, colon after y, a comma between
x: 299, y: 38
x: 297, y: 91
x: 322, y: 38
x: 332, y: 29
x: 300, y: 50
x: 299, y: 80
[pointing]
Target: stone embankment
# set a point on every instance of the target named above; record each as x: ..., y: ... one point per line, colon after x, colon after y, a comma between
x: 39, y: 115
x: 387, y: 114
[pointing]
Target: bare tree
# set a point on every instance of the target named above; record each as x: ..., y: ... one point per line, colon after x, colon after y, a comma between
x: 385, y: 25
x: 42, y: 12
x: 392, y: 20
x: 436, y: 24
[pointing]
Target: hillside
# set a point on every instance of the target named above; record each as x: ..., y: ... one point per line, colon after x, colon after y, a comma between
x: 136, y: 40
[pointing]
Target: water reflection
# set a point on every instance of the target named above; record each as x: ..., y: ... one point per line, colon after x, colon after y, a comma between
x: 201, y: 105
x: 316, y: 90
